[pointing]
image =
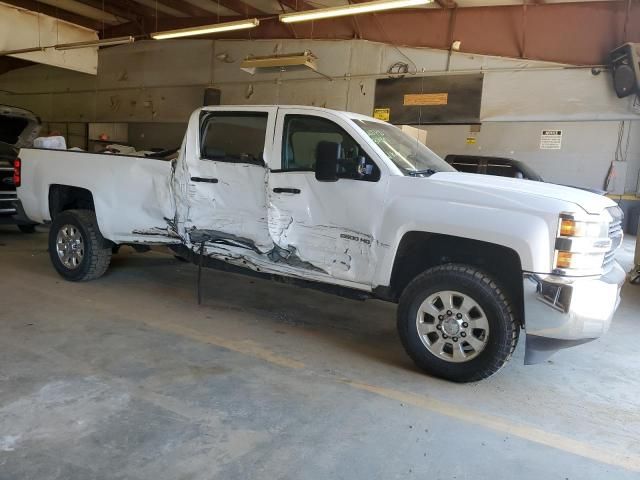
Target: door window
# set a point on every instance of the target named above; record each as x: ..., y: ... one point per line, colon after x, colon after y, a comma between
x: 236, y: 137
x: 303, y: 134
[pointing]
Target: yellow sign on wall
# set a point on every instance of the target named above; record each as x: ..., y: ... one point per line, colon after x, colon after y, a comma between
x: 426, y: 99
x: 382, y: 113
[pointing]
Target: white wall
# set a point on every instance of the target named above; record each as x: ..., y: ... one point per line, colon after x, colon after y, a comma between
x: 164, y: 81
x: 587, y: 148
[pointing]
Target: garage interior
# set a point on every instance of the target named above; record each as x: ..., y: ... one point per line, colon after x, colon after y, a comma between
x: 129, y: 377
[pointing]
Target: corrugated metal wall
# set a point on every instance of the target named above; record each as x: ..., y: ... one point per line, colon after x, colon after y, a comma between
x: 162, y: 82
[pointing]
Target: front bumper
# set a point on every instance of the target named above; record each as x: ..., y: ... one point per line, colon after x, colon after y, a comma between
x: 561, y: 312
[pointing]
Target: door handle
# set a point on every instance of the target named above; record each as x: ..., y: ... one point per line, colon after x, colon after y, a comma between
x: 204, y: 180
x: 286, y: 190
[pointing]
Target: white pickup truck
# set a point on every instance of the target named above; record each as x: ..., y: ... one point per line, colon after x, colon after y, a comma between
x: 351, y: 205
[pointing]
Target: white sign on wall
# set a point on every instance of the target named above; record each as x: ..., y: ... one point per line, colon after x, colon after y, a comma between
x: 551, y: 140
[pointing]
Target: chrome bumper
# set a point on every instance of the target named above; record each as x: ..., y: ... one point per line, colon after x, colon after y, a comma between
x: 561, y: 312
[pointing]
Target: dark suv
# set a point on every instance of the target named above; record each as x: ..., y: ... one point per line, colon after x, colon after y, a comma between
x: 501, y: 167
x: 18, y: 128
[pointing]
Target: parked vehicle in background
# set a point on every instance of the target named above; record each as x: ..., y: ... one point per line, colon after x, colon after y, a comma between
x: 501, y: 167
x: 353, y: 206
x: 18, y: 128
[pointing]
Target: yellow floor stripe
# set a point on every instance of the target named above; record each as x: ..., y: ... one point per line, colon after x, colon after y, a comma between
x: 533, y: 434
x: 245, y: 347
x: 526, y: 432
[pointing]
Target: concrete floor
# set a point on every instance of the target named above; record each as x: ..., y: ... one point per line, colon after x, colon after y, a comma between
x: 127, y: 378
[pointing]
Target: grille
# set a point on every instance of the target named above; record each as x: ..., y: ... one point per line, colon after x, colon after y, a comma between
x: 615, y: 235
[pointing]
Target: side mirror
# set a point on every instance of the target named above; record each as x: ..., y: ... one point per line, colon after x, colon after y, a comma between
x: 327, y: 157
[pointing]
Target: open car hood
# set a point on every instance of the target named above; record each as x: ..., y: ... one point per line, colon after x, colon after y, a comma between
x: 18, y: 127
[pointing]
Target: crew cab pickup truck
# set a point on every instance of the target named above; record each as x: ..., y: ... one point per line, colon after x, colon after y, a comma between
x: 351, y: 205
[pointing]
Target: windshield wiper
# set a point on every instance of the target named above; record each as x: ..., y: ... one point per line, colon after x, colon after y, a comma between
x: 426, y: 171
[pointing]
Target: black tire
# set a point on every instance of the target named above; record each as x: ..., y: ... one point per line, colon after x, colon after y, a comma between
x: 480, y: 287
x: 97, y: 250
x: 27, y: 228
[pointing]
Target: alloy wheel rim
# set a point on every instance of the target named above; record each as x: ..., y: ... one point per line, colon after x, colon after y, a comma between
x: 70, y: 246
x: 452, y: 326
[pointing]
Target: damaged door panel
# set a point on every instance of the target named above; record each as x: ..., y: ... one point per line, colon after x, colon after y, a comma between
x: 224, y: 177
x: 331, y: 225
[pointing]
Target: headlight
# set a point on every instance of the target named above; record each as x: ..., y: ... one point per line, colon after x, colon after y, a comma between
x: 578, y: 261
x: 574, y: 228
x: 581, y: 244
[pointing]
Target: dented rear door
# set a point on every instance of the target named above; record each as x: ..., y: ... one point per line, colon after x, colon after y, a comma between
x: 223, y: 201
x: 327, y: 227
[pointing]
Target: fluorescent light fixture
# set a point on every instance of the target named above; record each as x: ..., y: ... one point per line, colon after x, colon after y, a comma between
x: 353, y: 9
x: 70, y: 46
x: 280, y: 63
x: 289, y: 62
x: 95, y: 43
x: 206, y: 29
x: 22, y: 50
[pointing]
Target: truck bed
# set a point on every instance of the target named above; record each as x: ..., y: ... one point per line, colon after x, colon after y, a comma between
x: 131, y: 194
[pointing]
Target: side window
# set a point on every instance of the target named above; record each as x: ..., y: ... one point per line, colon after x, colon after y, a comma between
x: 233, y: 136
x: 303, y: 134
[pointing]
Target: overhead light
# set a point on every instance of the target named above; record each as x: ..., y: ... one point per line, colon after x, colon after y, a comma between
x: 353, y: 9
x: 95, y: 43
x: 206, y: 29
x: 70, y: 46
x: 21, y: 50
x: 302, y: 61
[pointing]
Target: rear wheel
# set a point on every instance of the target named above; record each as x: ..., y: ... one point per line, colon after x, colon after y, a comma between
x: 456, y: 323
x: 77, y: 249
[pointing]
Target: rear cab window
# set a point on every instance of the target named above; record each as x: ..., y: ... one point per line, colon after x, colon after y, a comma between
x: 235, y: 137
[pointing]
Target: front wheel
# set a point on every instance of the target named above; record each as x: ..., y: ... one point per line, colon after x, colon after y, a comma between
x: 456, y: 323
x: 77, y: 249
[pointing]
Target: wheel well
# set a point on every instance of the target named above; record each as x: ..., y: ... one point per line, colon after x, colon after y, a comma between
x: 65, y: 197
x: 419, y: 251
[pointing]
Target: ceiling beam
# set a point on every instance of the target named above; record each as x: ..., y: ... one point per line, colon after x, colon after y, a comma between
x: 38, y: 7
x: 243, y: 8
x: 111, y: 8
x: 136, y: 8
x: 186, y: 7
x: 297, y: 5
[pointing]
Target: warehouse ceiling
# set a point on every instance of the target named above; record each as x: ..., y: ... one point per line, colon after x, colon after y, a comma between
x: 580, y: 32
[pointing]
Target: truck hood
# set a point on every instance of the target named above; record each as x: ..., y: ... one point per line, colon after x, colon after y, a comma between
x: 18, y: 127
x: 590, y: 202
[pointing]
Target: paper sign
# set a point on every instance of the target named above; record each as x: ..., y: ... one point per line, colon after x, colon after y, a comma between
x: 551, y: 140
x: 382, y: 113
x: 426, y: 99
x: 471, y: 140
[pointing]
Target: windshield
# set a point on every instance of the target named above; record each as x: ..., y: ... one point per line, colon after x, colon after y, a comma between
x: 408, y: 153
